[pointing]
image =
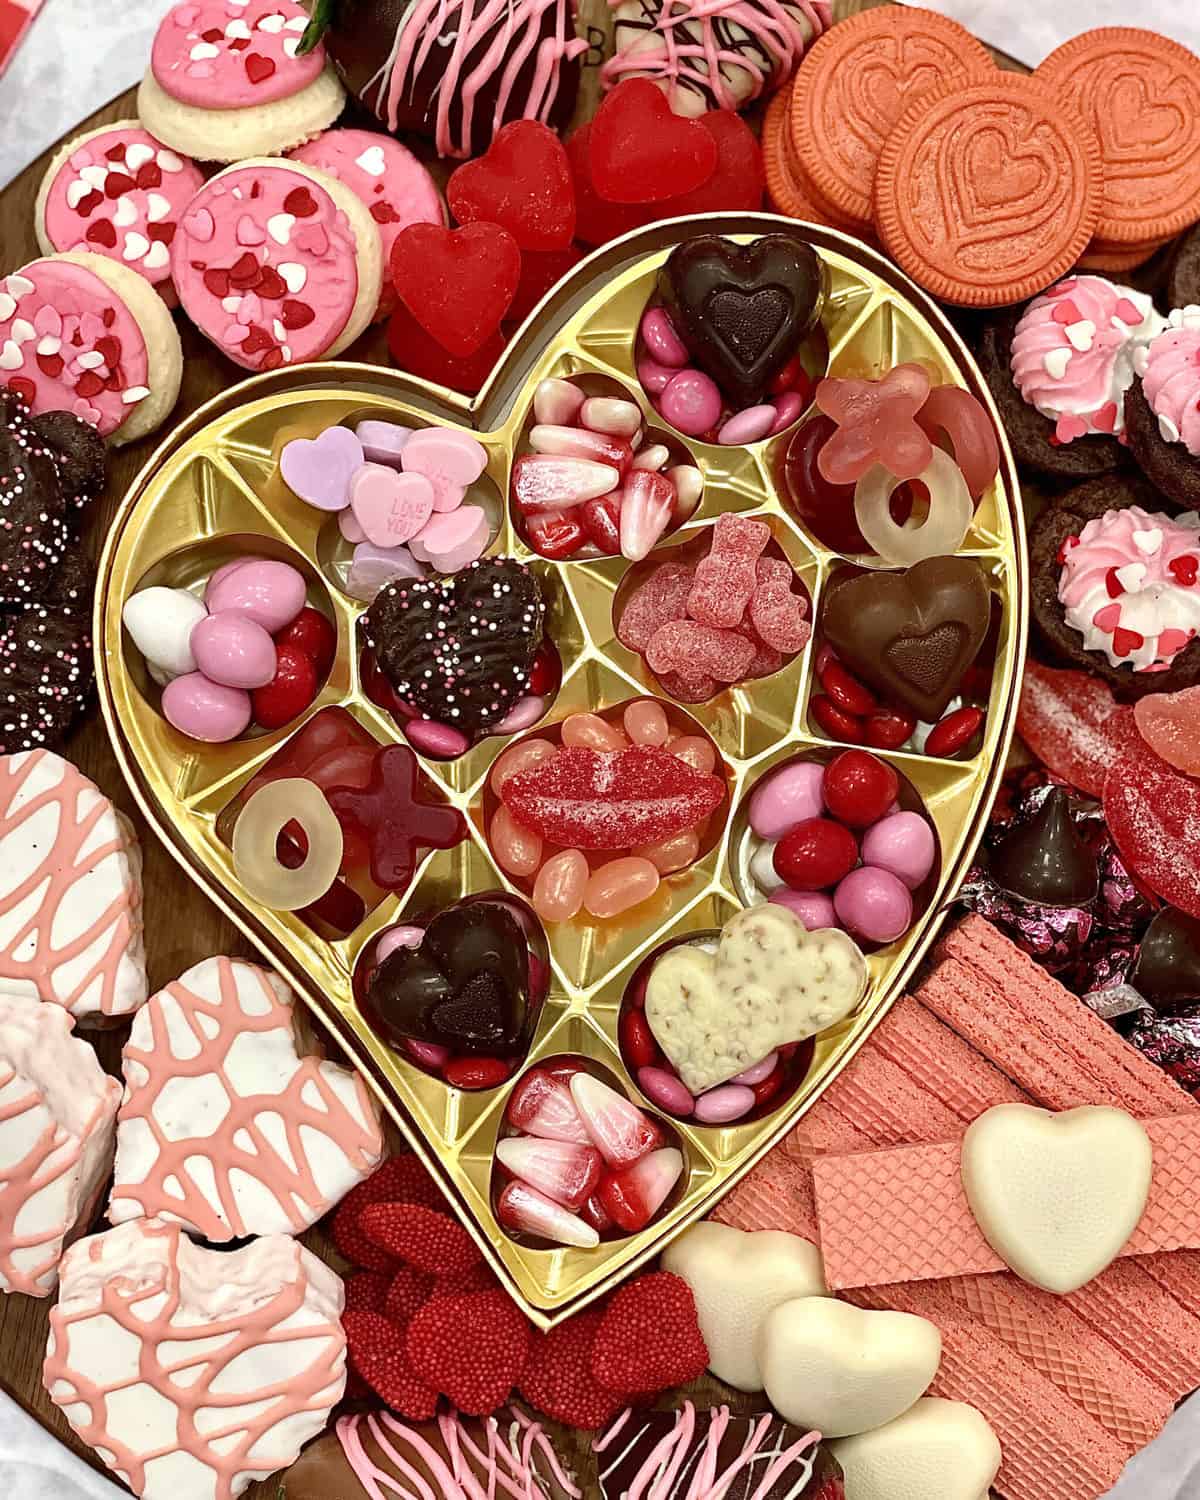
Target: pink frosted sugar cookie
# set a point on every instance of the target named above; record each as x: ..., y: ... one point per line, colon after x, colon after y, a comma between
x: 389, y: 179
x: 194, y: 1372
x: 226, y: 81
x: 58, y: 1110
x: 1073, y: 353
x: 277, y: 263
x: 120, y: 193
x: 83, y: 334
x: 226, y: 1128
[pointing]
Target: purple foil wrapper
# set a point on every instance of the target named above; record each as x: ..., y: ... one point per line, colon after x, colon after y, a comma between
x: 1173, y: 1042
x: 1054, y: 935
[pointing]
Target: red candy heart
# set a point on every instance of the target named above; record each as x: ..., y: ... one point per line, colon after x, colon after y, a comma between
x: 421, y: 354
x: 641, y: 152
x: 739, y: 180
x: 1153, y: 814
x: 1071, y: 722
x: 540, y: 270
x: 523, y: 183
x: 597, y: 221
x: 457, y: 283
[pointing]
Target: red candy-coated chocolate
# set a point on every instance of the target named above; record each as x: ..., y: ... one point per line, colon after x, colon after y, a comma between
x: 1067, y: 720
x: 1153, y: 814
x: 476, y: 1072
x: 844, y: 688
x: 889, y: 728
x: 313, y: 633
x: 859, y: 787
x: 954, y: 732
x: 697, y: 651
x: 726, y: 579
x: 289, y: 692
x: 835, y: 721
x: 523, y: 183
x: 815, y: 854
x: 642, y: 152
x: 457, y: 283
x: 420, y: 354
x: 660, y: 599
x: 398, y: 815
x: 876, y: 425
x: 972, y: 434
x: 594, y: 799
x: 637, y: 1040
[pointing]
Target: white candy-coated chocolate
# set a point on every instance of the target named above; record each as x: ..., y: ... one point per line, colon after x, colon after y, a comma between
x: 938, y: 1450
x: 161, y: 622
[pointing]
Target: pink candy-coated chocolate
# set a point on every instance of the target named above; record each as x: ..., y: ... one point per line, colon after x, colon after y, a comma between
x: 619, y: 885
x: 519, y: 758
x: 205, y: 710
x: 814, y: 908
x: 646, y: 723
x: 873, y: 904
x: 559, y: 886
x: 789, y: 408
x: 395, y: 938
x: 903, y: 844
x: 654, y: 377
x: 440, y: 740
x: 692, y: 403
x: 518, y: 849
x: 233, y: 650
x: 673, y: 853
x: 524, y: 714
x: 729, y: 1101
x: 726, y: 579
x: 760, y: 1070
x: 271, y: 593
x: 212, y: 55
x: 428, y: 1054
x: 788, y: 796
x: 663, y: 343
x: 666, y: 1090
x: 592, y: 732
x: 748, y: 426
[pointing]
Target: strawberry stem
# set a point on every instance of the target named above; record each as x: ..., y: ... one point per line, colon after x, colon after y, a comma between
x: 324, y: 13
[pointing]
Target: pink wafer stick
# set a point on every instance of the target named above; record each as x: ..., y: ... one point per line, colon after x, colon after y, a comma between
x: 937, y: 1058
x: 776, y: 1194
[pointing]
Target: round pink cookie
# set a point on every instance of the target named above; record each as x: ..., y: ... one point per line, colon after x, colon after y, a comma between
x: 266, y: 265
x: 120, y: 193
x: 225, y: 54
x: 396, y: 188
x: 68, y: 342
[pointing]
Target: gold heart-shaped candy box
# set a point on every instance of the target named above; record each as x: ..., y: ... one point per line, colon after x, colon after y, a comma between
x: 212, y: 491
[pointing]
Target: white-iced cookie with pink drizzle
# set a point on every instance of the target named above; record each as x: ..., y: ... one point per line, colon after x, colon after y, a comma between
x: 120, y: 193
x: 70, y: 891
x: 227, y: 1127
x: 58, y: 1112
x: 194, y: 1372
x: 226, y: 80
x: 277, y: 263
x: 1073, y: 352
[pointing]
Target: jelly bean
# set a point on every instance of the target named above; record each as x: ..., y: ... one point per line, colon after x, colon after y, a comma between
x: 557, y: 401
x: 762, y: 868
x: 944, y: 527
x: 728, y: 1102
x: 789, y: 408
x: 397, y: 937
x: 696, y: 750
x: 845, y: 690
x: 577, y: 442
x: 161, y: 622
x: 428, y: 1054
x: 646, y: 723
x: 234, y: 651
x: 671, y: 854
x: 689, y: 487
x: 659, y: 336
x: 665, y: 1090
x: 903, y: 844
x: 692, y: 403
x: 760, y: 1070
x: 814, y: 908
x: 524, y: 714
x: 271, y: 593
x: 541, y: 483
x: 608, y: 414
x: 747, y: 426
x: 476, y: 1072
x: 873, y: 904
x: 889, y: 728
x: 518, y: 849
x: 619, y: 885
x: 592, y: 733
x: 558, y: 889
x: 787, y: 796
x: 835, y: 721
x: 637, y: 1040
x: 522, y: 757
x: 655, y: 378
x: 652, y: 457
x: 955, y: 731
x: 205, y: 710
x: 442, y: 741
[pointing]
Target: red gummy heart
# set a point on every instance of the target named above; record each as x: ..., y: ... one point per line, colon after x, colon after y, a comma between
x: 540, y: 270
x: 523, y: 183
x: 457, y: 283
x: 597, y: 222
x: 739, y: 180
x: 1072, y: 723
x: 606, y: 799
x: 642, y: 152
x: 1153, y: 814
x: 420, y: 354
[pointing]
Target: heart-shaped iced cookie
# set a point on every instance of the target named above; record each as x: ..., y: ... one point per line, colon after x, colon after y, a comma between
x: 770, y: 982
x: 938, y: 1450
x: 841, y: 1369
x: 736, y: 1279
x: 1056, y: 1195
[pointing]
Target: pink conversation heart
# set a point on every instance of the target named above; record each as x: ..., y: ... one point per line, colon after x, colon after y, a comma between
x: 390, y: 507
x: 451, y: 540
x: 320, y: 470
x: 450, y: 460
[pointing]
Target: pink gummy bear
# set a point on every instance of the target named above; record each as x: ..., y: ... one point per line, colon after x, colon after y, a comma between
x: 697, y: 651
x: 876, y: 425
x: 778, y: 616
x: 726, y: 578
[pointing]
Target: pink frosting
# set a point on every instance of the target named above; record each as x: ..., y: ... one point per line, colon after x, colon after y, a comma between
x: 120, y: 194
x: 68, y: 342
x: 1073, y: 349
x: 233, y: 54
x: 265, y: 264
x: 1130, y: 586
x: 1170, y: 371
x: 388, y: 178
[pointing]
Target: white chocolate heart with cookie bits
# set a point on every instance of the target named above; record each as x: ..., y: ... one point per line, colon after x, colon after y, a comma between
x: 1056, y: 1195
x: 770, y: 982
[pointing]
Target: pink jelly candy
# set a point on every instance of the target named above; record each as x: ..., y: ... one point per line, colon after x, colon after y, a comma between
x: 1170, y: 725
x: 662, y: 598
x: 1153, y: 814
x: 699, y: 651
x: 876, y: 425
x: 779, y: 617
x: 726, y: 578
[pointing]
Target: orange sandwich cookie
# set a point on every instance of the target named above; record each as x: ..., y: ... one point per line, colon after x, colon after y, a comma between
x: 790, y: 193
x: 1106, y: 256
x: 857, y: 82
x: 988, y: 194
x: 1140, y: 94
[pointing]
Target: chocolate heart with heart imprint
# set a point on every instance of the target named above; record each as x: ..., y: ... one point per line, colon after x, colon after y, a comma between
x: 742, y: 310
x: 1167, y: 971
x: 911, y: 635
x: 460, y: 649
x: 465, y: 987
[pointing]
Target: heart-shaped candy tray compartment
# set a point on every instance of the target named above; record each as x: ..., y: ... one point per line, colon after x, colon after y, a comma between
x: 213, y: 490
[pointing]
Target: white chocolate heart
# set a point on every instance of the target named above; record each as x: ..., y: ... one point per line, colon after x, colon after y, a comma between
x: 736, y: 1279
x: 938, y: 1450
x: 842, y: 1369
x: 770, y: 982
x: 1056, y: 1195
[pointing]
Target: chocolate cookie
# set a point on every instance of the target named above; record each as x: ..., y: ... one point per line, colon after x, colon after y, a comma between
x: 1168, y: 466
x: 34, y: 536
x: 46, y: 674
x: 1062, y: 519
x: 1183, y: 279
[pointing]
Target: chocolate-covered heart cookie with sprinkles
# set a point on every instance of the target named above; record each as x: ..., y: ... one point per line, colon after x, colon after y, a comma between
x: 459, y: 650
x: 33, y: 524
x: 46, y: 673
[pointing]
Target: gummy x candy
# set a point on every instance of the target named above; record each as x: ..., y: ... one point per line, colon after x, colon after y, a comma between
x: 876, y: 425
x: 597, y: 799
x: 726, y: 578
x: 523, y: 183
x: 697, y: 651
x: 662, y: 598
x: 457, y: 283
x: 642, y: 152
x: 778, y: 615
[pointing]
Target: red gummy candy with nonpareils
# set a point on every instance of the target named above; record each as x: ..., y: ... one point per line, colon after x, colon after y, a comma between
x: 876, y: 425
x: 1070, y: 721
x: 1153, y: 814
x: 523, y: 183
x: 623, y: 799
x: 642, y: 152
x: 726, y: 579
x: 457, y: 283
x: 698, y: 651
x: 779, y: 617
x: 663, y: 597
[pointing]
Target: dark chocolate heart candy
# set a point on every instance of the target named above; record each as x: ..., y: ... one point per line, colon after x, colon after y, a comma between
x: 742, y: 310
x: 460, y: 649
x: 911, y: 635
x: 1044, y: 860
x: 466, y: 987
x: 1167, y: 971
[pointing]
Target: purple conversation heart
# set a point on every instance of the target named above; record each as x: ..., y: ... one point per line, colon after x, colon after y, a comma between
x: 383, y: 442
x: 373, y: 567
x: 320, y: 470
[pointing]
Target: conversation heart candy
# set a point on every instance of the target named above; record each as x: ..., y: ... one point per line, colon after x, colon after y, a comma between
x: 725, y: 579
x: 699, y: 651
x: 660, y: 599
x: 452, y: 540
x: 451, y: 461
x: 319, y: 470
x: 390, y: 507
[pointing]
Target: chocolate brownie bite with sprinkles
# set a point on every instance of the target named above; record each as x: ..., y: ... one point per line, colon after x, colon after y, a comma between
x: 460, y: 650
x: 34, y: 535
x: 46, y: 674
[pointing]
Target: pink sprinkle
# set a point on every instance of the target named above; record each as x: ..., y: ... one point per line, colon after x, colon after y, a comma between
x: 1108, y: 618
x: 1106, y: 418
x: 1172, y: 641
x: 1070, y: 427
x: 1066, y: 312
x: 1128, y: 312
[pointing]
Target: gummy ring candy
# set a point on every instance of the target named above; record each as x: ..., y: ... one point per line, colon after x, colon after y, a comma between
x: 256, y: 833
x: 942, y: 530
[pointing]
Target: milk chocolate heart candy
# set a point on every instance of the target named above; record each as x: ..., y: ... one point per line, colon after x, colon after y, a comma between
x: 1167, y: 971
x: 743, y: 309
x: 770, y: 982
x: 911, y: 635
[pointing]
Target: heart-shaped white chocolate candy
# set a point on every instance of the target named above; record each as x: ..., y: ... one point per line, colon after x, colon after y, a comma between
x: 842, y: 1369
x: 1056, y: 1195
x: 770, y: 982
x: 736, y: 1279
x: 938, y: 1450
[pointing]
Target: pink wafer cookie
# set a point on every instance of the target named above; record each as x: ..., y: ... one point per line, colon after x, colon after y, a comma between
x: 941, y: 1062
x: 776, y: 1194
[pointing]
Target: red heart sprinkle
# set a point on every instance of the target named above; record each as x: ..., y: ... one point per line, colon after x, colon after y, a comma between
x: 301, y: 203
x: 216, y: 281
x: 23, y: 389
x: 1126, y: 642
x: 1184, y: 569
x: 149, y: 175
x: 258, y: 67
x: 642, y: 152
x: 384, y: 213
x: 271, y: 285
x: 85, y: 206
x: 523, y: 183
x: 244, y: 271
x: 256, y: 341
x: 115, y: 153
x: 457, y: 283
x: 1061, y: 557
x: 50, y: 365
x: 213, y: 34
x: 117, y: 183
x: 109, y: 350
x: 295, y: 314
x: 1113, y: 584
x: 88, y: 385
x: 163, y: 232
x: 101, y: 232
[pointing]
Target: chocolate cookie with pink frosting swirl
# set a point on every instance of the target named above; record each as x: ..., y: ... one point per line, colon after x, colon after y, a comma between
x: 1163, y: 408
